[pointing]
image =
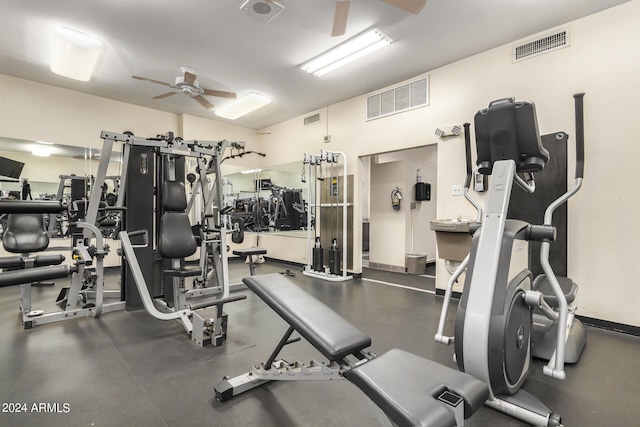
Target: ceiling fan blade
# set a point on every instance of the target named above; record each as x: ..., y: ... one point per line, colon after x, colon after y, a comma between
x: 219, y: 93
x: 411, y: 6
x: 189, y: 78
x: 151, y: 80
x: 206, y: 104
x: 165, y: 95
x: 340, y: 18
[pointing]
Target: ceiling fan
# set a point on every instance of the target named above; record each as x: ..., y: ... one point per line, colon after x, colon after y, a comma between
x: 188, y: 84
x: 342, y: 12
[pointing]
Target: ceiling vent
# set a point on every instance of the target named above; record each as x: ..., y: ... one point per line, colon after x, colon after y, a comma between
x: 264, y: 10
x: 542, y: 45
x: 399, y: 99
x: 312, y: 119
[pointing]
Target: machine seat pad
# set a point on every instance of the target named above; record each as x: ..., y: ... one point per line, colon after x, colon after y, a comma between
x: 182, y: 272
x: 249, y: 251
x: 569, y: 288
x: 403, y: 385
x: 25, y: 233
x: 325, y: 329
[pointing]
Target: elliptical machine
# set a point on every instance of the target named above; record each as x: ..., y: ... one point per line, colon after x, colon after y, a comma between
x: 494, y: 318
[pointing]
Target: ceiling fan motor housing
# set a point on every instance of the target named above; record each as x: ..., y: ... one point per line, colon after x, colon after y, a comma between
x: 192, y: 89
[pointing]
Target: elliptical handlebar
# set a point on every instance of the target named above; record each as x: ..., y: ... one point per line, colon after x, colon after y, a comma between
x: 467, y: 182
x: 579, y: 107
x: 467, y: 149
x: 555, y: 367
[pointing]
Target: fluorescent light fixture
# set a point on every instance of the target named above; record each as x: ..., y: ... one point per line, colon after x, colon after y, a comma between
x: 252, y: 171
x: 74, y: 54
x: 41, y: 151
x: 243, y: 105
x: 356, y: 47
x: 45, y: 142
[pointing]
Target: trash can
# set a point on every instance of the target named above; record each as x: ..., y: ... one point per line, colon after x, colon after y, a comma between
x: 416, y: 263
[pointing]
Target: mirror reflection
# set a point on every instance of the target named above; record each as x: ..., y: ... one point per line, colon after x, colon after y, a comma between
x: 269, y: 200
x: 39, y: 170
x: 272, y: 199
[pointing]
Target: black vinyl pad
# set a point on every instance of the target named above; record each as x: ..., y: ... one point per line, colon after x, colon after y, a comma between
x: 25, y: 233
x: 325, y: 329
x: 403, y: 385
x: 249, y: 251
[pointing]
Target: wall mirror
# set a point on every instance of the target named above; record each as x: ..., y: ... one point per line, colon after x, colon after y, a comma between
x: 272, y: 199
x: 50, y: 169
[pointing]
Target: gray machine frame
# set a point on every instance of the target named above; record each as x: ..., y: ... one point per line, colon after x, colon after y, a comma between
x: 204, y: 321
x: 74, y: 305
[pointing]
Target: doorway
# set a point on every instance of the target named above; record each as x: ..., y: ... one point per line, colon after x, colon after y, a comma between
x: 394, y: 227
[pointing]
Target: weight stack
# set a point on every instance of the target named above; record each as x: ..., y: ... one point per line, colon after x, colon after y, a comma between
x: 318, y: 259
x: 334, y: 261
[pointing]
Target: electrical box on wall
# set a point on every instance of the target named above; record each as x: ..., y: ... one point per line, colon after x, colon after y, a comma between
x: 422, y: 191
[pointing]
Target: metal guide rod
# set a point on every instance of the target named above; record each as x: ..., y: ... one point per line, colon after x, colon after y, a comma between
x: 94, y: 200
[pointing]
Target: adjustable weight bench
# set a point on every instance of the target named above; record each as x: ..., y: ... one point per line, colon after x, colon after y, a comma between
x: 249, y: 253
x: 410, y: 390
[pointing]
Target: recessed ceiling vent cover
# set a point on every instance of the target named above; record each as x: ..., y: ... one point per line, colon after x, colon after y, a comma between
x: 312, y: 119
x: 399, y: 99
x: 542, y: 45
x: 264, y: 10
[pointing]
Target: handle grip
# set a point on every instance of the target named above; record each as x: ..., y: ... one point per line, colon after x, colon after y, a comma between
x: 579, y: 107
x: 467, y: 149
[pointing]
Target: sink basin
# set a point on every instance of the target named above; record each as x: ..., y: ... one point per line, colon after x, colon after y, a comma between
x: 451, y: 225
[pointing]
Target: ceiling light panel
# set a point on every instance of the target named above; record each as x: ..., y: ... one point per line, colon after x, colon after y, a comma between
x: 355, y: 48
x: 242, y: 106
x: 74, y: 54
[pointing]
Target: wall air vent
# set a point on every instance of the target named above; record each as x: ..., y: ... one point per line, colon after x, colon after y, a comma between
x: 399, y: 99
x: 542, y: 45
x: 312, y: 119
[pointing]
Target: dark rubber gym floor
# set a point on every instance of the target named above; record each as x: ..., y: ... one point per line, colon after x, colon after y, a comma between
x: 128, y: 369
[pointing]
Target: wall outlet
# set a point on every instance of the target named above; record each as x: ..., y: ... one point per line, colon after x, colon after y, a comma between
x: 456, y: 190
x: 327, y: 139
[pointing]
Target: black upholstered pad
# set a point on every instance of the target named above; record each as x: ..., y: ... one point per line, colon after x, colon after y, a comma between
x: 31, y: 206
x: 249, y: 251
x: 39, y: 261
x: 25, y: 233
x: 182, y: 272
x: 403, y: 384
x: 174, y: 196
x: 325, y: 329
x: 37, y: 274
x: 175, y: 239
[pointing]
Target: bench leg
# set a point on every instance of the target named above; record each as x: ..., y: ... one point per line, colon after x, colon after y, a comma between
x: 230, y: 387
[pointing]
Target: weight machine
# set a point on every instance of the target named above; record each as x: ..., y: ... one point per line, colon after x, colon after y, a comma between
x: 26, y: 233
x: 155, y: 246
x: 337, y: 264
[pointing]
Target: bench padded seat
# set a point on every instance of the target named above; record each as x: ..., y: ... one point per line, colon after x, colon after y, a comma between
x: 403, y: 385
x: 250, y: 251
x: 325, y: 329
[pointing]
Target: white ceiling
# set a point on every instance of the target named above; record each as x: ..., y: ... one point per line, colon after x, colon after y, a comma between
x: 234, y: 50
